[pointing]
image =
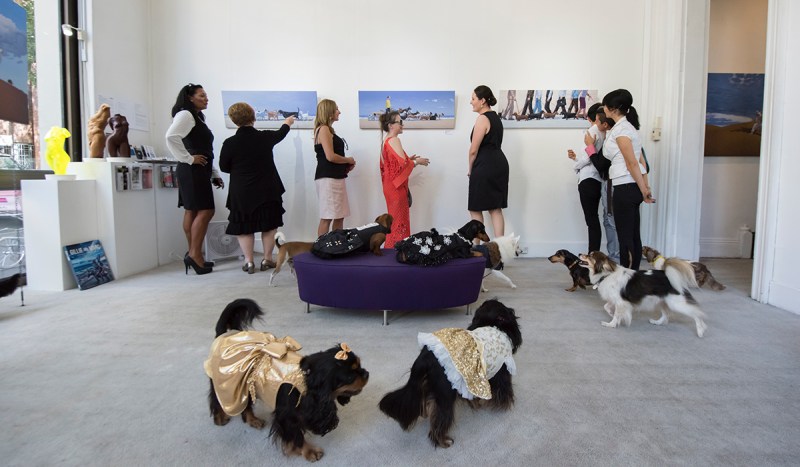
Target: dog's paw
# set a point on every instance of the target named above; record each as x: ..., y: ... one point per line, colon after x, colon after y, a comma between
x: 221, y: 419
x: 571, y: 289
x: 484, y: 289
x: 609, y: 309
x: 609, y: 324
x: 513, y: 285
x: 701, y: 328
x: 443, y: 442
x: 312, y: 453
x: 252, y: 420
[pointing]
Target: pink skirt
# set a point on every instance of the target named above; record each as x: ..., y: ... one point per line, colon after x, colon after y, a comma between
x: 332, y: 195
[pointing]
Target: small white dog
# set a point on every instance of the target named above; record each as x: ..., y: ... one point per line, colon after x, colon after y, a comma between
x: 497, y: 252
x: 624, y: 290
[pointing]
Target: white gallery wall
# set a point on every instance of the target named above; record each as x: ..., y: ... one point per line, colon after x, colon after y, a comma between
x: 339, y: 48
x: 737, y: 44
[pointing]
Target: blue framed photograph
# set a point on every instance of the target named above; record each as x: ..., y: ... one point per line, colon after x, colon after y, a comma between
x: 734, y: 102
x: 418, y: 109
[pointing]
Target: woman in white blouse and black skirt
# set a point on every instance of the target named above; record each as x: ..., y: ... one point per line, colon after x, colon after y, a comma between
x: 627, y: 173
x: 191, y: 143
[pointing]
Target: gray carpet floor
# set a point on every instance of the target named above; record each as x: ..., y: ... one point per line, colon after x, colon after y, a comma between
x: 114, y: 376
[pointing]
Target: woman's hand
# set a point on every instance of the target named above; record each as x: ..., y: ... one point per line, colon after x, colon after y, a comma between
x: 588, y: 139
x: 647, y: 195
x: 418, y: 160
x: 289, y: 120
x: 571, y: 154
x: 217, y: 182
x: 199, y: 159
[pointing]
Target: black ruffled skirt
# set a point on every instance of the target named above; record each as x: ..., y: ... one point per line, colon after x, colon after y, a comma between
x: 264, y: 218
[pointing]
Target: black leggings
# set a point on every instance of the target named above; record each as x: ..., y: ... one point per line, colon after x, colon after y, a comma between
x: 589, y: 191
x: 627, y: 199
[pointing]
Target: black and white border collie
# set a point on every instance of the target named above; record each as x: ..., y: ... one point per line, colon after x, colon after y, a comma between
x: 624, y: 290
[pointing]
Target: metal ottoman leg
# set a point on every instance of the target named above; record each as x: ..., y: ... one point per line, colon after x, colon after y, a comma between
x: 385, y: 317
x: 468, y: 305
x: 308, y: 307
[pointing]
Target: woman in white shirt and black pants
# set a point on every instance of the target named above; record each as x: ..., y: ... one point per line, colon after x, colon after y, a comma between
x: 627, y: 173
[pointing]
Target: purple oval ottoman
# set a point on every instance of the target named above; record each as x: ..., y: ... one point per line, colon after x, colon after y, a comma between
x: 369, y: 282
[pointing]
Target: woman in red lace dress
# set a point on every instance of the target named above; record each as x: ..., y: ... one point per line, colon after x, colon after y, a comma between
x: 396, y: 167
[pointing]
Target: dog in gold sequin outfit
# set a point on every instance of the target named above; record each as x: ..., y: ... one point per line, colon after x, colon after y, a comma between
x: 302, y: 391
x: 473, y: 364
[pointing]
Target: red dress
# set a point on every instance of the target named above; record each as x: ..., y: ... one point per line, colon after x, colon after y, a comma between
x: 395, y: 170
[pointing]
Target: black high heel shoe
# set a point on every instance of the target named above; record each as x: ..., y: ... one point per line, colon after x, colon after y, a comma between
x: 249, y: 268
x: 199, y: 270
x: 207, y: 264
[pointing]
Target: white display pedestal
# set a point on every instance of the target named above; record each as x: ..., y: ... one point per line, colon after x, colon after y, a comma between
x: 169, y: 220
x: 126, y: 220
x: 57, y: 213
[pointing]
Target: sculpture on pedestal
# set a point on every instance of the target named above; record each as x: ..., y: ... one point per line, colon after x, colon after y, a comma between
x: 57, y: 158
x: 96, y: 127
x: 117, y: 143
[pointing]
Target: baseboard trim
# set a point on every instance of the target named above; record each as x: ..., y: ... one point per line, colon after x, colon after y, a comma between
x: 785, y: 297
x: 720, y: 248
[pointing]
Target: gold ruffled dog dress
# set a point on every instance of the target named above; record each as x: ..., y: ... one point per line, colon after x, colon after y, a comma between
x: 249, y: 365
x: 470, y: 358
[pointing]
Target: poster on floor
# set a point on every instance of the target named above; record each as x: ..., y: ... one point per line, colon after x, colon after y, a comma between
x: 89, y: 264
x: 545, y: 108
x: 273, y: 107
x: 418, y: 109
x: 734, y: 104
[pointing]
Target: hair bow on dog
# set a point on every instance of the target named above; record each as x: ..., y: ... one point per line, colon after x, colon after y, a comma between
x: 342, y: 354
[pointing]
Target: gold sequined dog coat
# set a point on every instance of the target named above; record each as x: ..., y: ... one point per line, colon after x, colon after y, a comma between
x: 470, y: 358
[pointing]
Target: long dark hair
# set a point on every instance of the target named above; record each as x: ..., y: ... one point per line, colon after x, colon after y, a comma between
x: 183, y: 102
x: 622, y: 100
x: 483, y: 92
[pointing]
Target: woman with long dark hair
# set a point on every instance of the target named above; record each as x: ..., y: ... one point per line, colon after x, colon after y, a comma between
x: 628, y: 174
x: 488, y: 166
x: 192, y: 144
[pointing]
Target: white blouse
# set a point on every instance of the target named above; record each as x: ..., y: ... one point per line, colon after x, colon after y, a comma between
x: 583, y: 165
x: 182, y: 125
x: 618, y: 172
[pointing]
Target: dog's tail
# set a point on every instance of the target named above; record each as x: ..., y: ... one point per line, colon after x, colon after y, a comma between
x: 407, y: 404
x: 238, y: 315
x: 279, y: 238
x: 680, y: 274
x: 9, y: 285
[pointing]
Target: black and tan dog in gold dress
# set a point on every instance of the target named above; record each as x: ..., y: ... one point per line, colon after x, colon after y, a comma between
x: 302, y: 391
x: 475, y: 364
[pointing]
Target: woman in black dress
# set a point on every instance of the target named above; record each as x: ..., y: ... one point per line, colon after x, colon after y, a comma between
x: 254, y: 195
x: 488, y: 167
x: 192, y: 144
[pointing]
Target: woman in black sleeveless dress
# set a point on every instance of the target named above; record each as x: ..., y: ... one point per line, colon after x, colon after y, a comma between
x: 488, y: 167
x: 191, y: 143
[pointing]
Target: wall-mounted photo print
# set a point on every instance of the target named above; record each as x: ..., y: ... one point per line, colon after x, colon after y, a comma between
x: 273, y: 107
x: 733, y: 114
x: 418, y: 109
x: 545, y: 108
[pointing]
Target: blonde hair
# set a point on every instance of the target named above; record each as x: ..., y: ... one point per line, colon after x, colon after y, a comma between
x: 326, y: 109
x: 241, y: 113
